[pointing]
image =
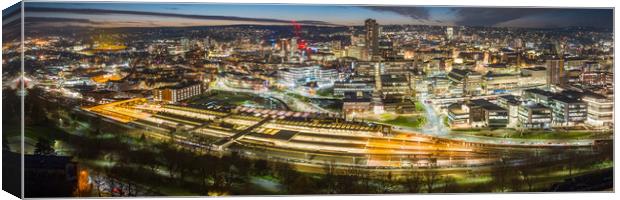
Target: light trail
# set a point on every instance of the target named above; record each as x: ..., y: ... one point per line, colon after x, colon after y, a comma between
x: 358, y: 143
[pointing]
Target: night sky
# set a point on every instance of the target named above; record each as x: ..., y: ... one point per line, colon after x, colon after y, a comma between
x: 200, y: 14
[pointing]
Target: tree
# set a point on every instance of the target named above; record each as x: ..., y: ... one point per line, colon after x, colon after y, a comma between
x: 526, y: 173
x: 44, y: 147
x: 286, y: 174
x: 516, y: 183
x: 386, y: 183
x: 302, y: 184
x: 329, y: 178
x: 170, y: 159
x: 142, y: 139
x: 430, y: 178
x: 261, y: 167
x: 348, y: 182
x: 207, y: 167
x: 413, y: 182
x: 571, y: 161
x: 449, y: 184
x: 501, y: 176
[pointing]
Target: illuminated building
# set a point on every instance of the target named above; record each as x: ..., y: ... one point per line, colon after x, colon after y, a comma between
x: 392, y: 84
x: 470, y: 80
x: 555, y: 72
x: 449, y: 33
x: 458, y: 116
x: 377, y: 101
x: 179, y: 92
x: 477, y: 113
x: 600, y: 109
x: 486, y: 114
x: 566, y: 109
x: 500, y: 83
x: 372, y: 36
x: 357, y: 52
x: 594, y: 78
x: 534, y: 76
x: 440, y: 86
x: 341, y: 87
x: 356, y: 103
x: 398, y: 104
x: 241, y: 81
x: 301, y: 75
x: 510, y: 103
x: 534, y: 115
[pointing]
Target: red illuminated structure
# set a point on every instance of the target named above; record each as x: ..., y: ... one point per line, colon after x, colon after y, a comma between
x: 301, y: 44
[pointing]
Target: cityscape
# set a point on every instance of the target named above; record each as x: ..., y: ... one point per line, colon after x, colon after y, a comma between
x: 152, y: 99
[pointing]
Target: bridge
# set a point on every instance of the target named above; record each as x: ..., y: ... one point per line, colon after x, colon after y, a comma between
x: 227, y: 141
x: 116, y: 111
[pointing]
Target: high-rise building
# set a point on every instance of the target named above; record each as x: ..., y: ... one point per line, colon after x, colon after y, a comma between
x: 450, y: 33
x: 372, y: 36
x: 185, y: 44
x: 555, y: 72
x: 206, y: 43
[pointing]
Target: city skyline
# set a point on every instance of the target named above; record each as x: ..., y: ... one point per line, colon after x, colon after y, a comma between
x: 293, y: 102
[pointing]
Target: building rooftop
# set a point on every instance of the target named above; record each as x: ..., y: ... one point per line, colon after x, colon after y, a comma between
x: 537, y: 68
x: 511, y: 99
x: 533, y: 106
x: 354, y: 97
x: 457, y: 108
x: 486, y: 105
x: 539, y: 92
x: 181, y: 85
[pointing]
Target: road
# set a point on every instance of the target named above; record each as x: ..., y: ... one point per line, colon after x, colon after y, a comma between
x: 294, y: 103
x: 434, y: 123
x: 436, y: 127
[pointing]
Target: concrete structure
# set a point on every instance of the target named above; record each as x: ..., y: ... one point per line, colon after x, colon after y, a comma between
x: 294, y: 76
x: 511, y: 103
x: 600, y: 109
x: 342, y: 87
x: 534, y: 115
x: 534, y: 76
x: 470, y: 80
x: 500, y: 83
x: 487, y: 114
x: 567, y: 110
x: 395, y: 85
x: 356, y: 103
x: 372, y: 36
x: 458, y: 116
x: 477, y: 113
x: 556, y: 74
x: 179, y: 92
x: 449, y: 33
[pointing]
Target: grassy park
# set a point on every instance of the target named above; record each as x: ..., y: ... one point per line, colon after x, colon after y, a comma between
x: 407, y: 121
x: 536, y: 134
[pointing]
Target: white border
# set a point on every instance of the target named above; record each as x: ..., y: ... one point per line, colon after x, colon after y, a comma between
x: 479, y: 196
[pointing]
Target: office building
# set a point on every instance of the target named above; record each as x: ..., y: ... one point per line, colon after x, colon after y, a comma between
x: 600, y: 109
x: 470, y: 80
x: 556, y: 75
x: 179, y: 92
x: 294, y: 76
x: 534, y: 115
x: 372, y: 36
